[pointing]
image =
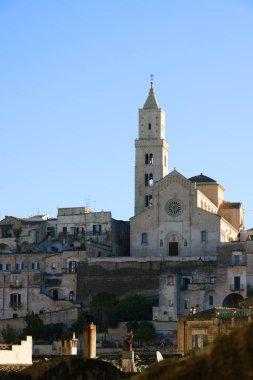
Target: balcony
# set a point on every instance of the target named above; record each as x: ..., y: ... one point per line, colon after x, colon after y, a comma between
x: 237, y: 287
x: 16, y: 305
x: 16, y: 285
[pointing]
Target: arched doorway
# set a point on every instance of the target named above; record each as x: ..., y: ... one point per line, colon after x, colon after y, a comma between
x: 173, y: 244
x: 232, y: 300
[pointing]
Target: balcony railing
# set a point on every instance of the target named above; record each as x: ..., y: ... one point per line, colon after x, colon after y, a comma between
x: 16, y: 305
x: 238, y: 287
x: 16, y: 285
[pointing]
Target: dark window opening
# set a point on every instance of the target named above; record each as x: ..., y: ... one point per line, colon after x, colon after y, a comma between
x: 149, y: 159
x: 72, y: 266
x: 71, y: 295
x: 55, y: 295
x: 210, y: 300
x: 173, y: 249
x: 148, y: 201
x: 97, y: 229
x: 64, y: 231
x: 144, y: 238
x: 237, y: 283
x: 149, y: 125
x: 146, y: 179
x: 236, y: 259
x: 185, y: 282
x: 15, y: 300
x: 203, y: 236
x: 199, y: 341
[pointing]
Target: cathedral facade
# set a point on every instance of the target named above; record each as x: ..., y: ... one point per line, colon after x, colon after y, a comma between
x: 175, y: 217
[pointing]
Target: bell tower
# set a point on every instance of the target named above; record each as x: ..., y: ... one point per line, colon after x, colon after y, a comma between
x: 151, y: 151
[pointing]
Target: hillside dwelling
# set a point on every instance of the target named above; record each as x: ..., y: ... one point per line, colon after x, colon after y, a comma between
x: 197, y: 330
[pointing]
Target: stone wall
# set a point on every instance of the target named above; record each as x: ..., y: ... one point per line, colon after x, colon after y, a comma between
x: 122, y: 276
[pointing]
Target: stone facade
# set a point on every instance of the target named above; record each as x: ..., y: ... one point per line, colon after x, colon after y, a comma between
x: 97, y: 232
x: 195, y: 331
x: 38, y: 282
x: 234, y: 273
x: 175, y: 216
x: 179, y: 285
x: 76, y: 228
x: 25, y: 235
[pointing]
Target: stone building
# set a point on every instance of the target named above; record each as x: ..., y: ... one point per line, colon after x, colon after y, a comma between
x: 26, y: 234
x: 234, y: 273
x: 38, y: 282
x: 175, y: 216
x: 190, y: 285
x: 97, y: 232
x: 197, y: 330
x: 75, y: 228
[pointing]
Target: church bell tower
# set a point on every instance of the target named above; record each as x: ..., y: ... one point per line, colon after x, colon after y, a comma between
x: 151, y: 151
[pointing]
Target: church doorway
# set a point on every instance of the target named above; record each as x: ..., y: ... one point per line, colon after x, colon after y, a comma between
x: 173, y: 248
x: 232, y: 300
x: 173, y: 244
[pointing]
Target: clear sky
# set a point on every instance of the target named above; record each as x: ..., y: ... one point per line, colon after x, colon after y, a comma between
x: 73, y: 74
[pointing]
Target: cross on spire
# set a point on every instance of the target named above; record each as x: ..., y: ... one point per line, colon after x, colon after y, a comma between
x: 151, y: 79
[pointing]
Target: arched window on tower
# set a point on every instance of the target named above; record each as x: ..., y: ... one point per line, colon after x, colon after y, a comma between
x: 144, y: 238
x: 148, y: 200
x: 149, y: 160
x: 151, y: 180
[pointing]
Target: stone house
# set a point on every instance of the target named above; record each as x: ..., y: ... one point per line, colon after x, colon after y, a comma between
x: 197, y: 330
x: 190, y: 285
x: 38, y: 282
x: 26, y: 234
x: 97, y: 232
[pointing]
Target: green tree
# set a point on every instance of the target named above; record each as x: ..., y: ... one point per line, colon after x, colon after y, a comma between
x: 9, y: 335
x: 134, y: 307
x: 145, y: 333
x: 53, y: 331
x: 34, y: 327
x: 83, y: 319
x: 103, y: 308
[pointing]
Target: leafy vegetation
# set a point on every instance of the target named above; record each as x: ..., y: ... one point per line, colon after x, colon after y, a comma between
x: 9, y: 334
x: 134, y: 307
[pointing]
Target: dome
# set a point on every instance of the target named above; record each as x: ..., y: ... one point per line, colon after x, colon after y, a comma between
x: 201, y: 178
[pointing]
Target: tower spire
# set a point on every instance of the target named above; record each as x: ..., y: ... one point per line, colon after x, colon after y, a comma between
x: 151, y: 101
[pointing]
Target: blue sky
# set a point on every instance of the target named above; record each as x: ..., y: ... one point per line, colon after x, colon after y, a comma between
x: 73, y: 74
